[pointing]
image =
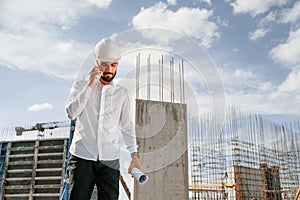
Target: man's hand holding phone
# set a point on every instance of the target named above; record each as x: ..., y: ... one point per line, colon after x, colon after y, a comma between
x: 95, y: 75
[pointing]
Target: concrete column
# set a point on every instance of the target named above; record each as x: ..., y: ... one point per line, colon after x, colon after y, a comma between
x: 162, y: 140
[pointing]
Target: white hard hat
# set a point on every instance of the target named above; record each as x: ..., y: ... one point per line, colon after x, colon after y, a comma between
x: 107, y: 51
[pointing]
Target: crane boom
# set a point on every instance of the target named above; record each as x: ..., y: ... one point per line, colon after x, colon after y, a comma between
x: 42, y: 126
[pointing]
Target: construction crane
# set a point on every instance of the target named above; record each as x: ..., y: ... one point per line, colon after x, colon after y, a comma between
x: 41, y: 127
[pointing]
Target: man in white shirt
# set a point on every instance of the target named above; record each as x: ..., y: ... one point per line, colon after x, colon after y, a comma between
x: 101, y: 108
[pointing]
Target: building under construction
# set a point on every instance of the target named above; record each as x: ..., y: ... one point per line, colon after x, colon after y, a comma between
x: 233, y: 154
x: 246, y: 157
x: 242, y: 156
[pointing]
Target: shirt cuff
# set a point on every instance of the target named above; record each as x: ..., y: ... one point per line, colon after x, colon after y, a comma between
x: 133, y: 149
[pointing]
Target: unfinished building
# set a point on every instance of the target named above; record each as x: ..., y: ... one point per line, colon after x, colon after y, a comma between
x: 247, y: 157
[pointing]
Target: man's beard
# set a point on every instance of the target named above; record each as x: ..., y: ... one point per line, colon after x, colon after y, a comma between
x: 108, y: 79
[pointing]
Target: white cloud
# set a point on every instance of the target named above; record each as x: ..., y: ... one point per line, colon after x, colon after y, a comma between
x: 42, y: 106
x: 64, y: 47
x: 222, y: 22
x: 265, y: 86
x: 183, y: 20
x: 172, y: 2
x: 252, y: 101
x: 271, y: 17
x: 291, y: 15
x: 288, y: 52
x: 291, y: 83
x: 47, y: 55
x: 38, y: 15
x: 287, y: 94
x: 244, y: 74
x: 255, y: 7
x: 205, y: 1
x: 282, y: 16
x: 297, y: 98
x: 249, y: 91
x: 34, y: 35
x: 239, y: 75
x: 100, y: 3
x: 258, y: 34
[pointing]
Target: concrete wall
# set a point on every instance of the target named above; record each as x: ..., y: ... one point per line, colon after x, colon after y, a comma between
x: 162, y: 140
x: 249, y: 183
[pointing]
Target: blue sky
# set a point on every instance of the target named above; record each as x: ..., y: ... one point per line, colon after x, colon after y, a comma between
x: 255, y: 47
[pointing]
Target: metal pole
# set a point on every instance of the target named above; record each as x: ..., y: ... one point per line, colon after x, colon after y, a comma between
x: 148, y: 77
x: 159, y: 81
x: 171, y: 100
x: 162, y: 77
x: 137, y: 71
x: 172, y: 80
x: 180, y: 82
x: 183, y: 94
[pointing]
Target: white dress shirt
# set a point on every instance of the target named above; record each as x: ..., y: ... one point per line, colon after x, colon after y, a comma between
x: 102, y: 113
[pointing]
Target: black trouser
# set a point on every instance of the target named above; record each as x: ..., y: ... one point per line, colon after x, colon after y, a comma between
x: 84, y: 174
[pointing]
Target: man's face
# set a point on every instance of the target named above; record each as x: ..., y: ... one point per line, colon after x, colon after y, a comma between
x: 109, y: 70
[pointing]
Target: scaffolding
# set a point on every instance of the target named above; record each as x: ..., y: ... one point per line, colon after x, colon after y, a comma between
x: 245, y: 157
x: 34, y: 169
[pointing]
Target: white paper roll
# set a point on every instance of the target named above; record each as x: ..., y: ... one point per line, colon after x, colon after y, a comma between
x: 139, y: 176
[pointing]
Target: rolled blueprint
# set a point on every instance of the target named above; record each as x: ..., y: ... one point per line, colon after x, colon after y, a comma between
x: 139, y: 176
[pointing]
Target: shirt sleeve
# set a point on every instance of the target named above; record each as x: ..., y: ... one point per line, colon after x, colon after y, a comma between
x: 127, y: 127
x: 77, y: 99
